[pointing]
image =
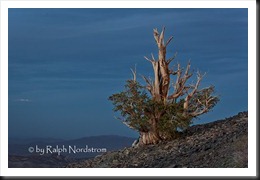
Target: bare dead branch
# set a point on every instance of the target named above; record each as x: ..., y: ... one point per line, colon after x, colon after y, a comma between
x: 152, y: 57
x: 199, y: 112
x: 134, y: 73
x: 168, y: 61
x: 156, y: 35
x: 149, y: 83
x: 169, y: 40
x: 161, y: 39
x: 179, y: 86
x: 195, y: 88
x: 171, y: 71
x: 187, y: 75
x: 152, y: 61
x: 205, y: 106
x: 128, y: 125
x: 124, y: 122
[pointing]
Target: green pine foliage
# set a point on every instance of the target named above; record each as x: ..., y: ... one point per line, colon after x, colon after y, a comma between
x: 137, y: 108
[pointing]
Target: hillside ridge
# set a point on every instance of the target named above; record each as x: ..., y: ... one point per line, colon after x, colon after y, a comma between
x: 218, y: 144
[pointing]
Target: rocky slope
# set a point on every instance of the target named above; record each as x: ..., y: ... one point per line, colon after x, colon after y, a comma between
x: 219, y: 144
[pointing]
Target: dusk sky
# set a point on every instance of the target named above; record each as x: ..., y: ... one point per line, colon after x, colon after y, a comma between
x: 64, y: 64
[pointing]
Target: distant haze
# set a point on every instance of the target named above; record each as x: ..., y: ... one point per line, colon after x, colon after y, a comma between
x: 64, y: 63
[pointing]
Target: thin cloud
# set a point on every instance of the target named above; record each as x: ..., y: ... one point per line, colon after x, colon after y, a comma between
x: 22, y: 100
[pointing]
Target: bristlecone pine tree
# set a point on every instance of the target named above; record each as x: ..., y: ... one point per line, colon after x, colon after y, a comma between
x: 165, y: 105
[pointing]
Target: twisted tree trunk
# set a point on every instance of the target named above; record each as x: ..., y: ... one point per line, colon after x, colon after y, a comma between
x: 152, y: 136
x: 159, y: 88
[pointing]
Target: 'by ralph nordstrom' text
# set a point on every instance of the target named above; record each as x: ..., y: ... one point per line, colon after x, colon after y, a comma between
x: 64, y: 149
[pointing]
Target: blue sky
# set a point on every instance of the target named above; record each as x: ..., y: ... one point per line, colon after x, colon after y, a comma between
x: 65, y: 63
